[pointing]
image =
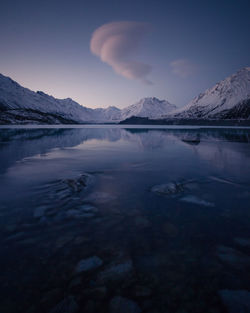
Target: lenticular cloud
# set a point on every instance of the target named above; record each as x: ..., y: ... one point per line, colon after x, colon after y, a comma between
x: 115, y: 42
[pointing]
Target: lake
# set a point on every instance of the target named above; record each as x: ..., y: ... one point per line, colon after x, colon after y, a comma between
x: 124, y: 219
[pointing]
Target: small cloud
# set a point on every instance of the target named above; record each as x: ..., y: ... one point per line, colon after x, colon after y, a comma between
x: 183, y: 68
x: 115, y: 42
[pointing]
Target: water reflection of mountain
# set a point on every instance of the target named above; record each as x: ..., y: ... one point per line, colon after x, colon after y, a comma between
x: 16, y: 144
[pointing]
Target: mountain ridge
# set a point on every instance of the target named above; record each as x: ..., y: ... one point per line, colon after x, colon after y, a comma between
x: 228, y: 99
x: 17, y: 102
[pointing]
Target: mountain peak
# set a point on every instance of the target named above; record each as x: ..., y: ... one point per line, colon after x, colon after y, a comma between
x: 229, y: 94
x: 151, y: 100
x: 150, y: 107
x: 245, y: 69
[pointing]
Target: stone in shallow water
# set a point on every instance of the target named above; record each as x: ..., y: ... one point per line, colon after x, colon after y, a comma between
x: 116, y: 272
x: 68, y: 305
x: 43, y: 221
x: 170, y: 229
x: 62, y: 241
x: 168, y: 189
x: 236, y: 301
x: 88, y: 264
x: 83, y: 211
x: 233, y: 257
x: 100, y: 197
x: 15, y: 236
x: 78, y: 214
x: 123, y: 305
x: 142, y: 291
x: 196, y: 200
x: 96, y: 293
x: 39, y: 211
x: 80, y: 239
x: 88, y: 208
x: 72, y: 213
x: 243, y: 242
x: 77, y: 184
x: 10, y: 228
x: 75, y: 282
x: 90, y: 306
x: 142, y: 222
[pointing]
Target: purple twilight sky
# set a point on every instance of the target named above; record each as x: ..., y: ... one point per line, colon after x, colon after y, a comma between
x: 103, y: 53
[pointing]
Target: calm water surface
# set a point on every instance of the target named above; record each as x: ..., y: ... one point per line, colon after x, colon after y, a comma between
x: 159, y: 217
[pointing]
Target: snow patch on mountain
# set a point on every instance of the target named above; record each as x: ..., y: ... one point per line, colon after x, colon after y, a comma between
x: 222, y: 99
x: 15, y: 97
x: 228, y: 99
x: 17, y: 101
x: 148, y: 107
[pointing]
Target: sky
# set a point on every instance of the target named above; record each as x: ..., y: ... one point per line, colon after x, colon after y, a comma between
x: 113, y: 53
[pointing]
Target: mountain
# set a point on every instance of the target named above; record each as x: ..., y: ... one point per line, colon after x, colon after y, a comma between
x: 228, y: 99
x: 148, y: 107
x: 20, y: 105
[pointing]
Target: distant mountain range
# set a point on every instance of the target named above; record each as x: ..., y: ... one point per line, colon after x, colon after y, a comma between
x: 21, y: 105
x: 228, y: 99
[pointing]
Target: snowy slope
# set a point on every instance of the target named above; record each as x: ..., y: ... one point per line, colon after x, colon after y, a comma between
x: 19, y: 104
x: 110, y: 114
x: 15, y: 97
x: 148, y: 107
x: 229, y: 98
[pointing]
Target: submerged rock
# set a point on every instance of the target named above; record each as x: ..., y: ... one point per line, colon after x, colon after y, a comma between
x: 236, y: 301
x: 88, y: 208
x: 170, y: 229
x: 62, y: 241
x: 50, y: 298
x: 233, y: 257
x: 74, y: 213
x: 96, y: 293
x: 100, y: 197
x: 196, y: 200
x: 68, y: 305
x: 88, y: 264
x: 142, y: 222
x: 142, y: 291
x: 39, y: 211
x: 77, y: 184
x: 243, y: 242
x: 116, y: 272
x: 75, y: 282
x: 80, y: 239
x: 90, y: 306
x: 15, y: 236
x: 85, y: 210
x: 123, y: 305
x: 65, y: 188
x: 168, y: 189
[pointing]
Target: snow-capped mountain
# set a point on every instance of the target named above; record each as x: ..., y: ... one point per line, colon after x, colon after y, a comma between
x: 228, y: 99
x: 20, y: 101
x: 21, y: 105
x: 148, y: 107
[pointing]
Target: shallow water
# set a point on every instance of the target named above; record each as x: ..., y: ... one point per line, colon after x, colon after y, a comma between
x: 159, y: 216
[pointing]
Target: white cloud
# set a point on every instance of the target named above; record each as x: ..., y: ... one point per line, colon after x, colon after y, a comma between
x: 183, y: 68
x: 115, y: 42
